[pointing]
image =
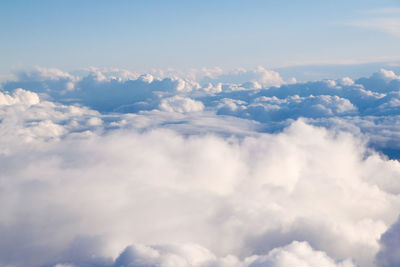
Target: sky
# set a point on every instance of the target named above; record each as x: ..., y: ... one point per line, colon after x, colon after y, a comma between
x: 143, y: 35
x: 199, y: 133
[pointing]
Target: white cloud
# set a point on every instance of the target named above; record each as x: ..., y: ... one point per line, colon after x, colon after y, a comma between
x: 19, y: 96
x: 297, y: 254
x: 193, y: 255
x: 260, y: 75
x: 94, y: 121
x: 198, y: 175
x: 266, y: 109
x: 386, y: 75
x: 236, y: 196
x: 181, y: 104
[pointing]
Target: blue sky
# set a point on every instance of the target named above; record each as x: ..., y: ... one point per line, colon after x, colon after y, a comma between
x: 141, y: 35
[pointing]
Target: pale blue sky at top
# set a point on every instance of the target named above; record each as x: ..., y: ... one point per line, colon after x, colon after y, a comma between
x: 142, y: 35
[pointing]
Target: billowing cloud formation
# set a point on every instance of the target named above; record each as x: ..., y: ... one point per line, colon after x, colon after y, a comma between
x: 191, y: 255
x: 128, y: 92
x: 181, y: 104
x: 371, y: 104
x: 181, y: 173
x: 374, y: 96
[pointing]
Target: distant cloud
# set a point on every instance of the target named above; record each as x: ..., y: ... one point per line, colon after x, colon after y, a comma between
x: 181, y: 104
x: 261, y: 76
x: 388, y: 25
x: 384, y: 10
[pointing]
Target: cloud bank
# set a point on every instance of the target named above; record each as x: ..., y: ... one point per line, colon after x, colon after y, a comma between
x: 371, y: 104
x: 118, y: 169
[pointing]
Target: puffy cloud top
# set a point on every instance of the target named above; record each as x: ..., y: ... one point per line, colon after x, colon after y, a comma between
x: 237, y: 169
x: 19, y: 96
x: 181, y: 104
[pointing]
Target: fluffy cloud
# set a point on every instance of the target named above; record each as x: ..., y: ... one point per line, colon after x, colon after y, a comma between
x: 98, y: 91
x: 200, y: 177
x: 266, y: 109
x: 192, y: 255
x: 105, y: 92
x: 91, y: 195
x: 367, y: 103
x: 260, y: 77
x: 297, y: 254
x: 181, y: 104
x: 19, y: 96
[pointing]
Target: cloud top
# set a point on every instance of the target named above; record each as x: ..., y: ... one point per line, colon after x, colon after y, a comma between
x: 175, y: 172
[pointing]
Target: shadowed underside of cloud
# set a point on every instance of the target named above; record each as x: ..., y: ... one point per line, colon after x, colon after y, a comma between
x: 198, y: 172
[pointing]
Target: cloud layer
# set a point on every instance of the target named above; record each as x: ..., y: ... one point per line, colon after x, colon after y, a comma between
x: 368, y: 104
x: 118, y: 169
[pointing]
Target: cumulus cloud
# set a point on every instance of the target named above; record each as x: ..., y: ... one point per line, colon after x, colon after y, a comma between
x: 265, y: 109
x: 245, y: 94
x: 192, y: 255
x: 241, y: 93
x: 181, y: 104
x: 260, y: 77
x: 150, y: 171
x: 297, y: 254
x: 93, y: 195
x: 375, y: 95
x: 98, y: 91
x: 19, y: 96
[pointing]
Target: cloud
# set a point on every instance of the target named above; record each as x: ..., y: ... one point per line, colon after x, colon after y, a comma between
x: 266, y: 109
x: 152, y: 171
x: 122, y: 91
x: 389, y: 25
x: 193, y: 255
x: 109, y: 93
x: 361, y: 101
x: 84, y: 193
x: 43, y: 74
x: 261, y: 77
x: 381, y: 81
x: 105, y: 91
x: 98, y: 91
x: 297, y: 254
x: 19, y: 96
x: 173, y: 255
x: 181, y: 104
x: 389, y: 254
